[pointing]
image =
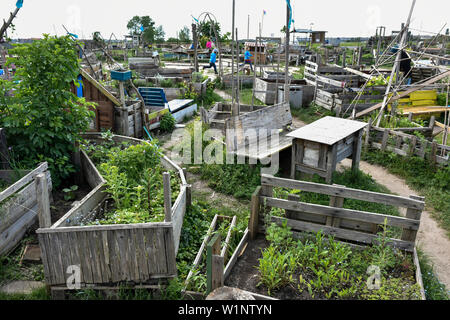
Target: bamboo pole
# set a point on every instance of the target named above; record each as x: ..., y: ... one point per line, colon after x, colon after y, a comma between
x: 233, y: 93
x: 286, y: 84
x: 396, y: 64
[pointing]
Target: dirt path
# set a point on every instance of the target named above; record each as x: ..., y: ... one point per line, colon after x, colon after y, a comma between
x: 431, y: 238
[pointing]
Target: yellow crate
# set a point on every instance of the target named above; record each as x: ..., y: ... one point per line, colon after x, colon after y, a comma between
x: 424, y: 103
x: 423, y: 95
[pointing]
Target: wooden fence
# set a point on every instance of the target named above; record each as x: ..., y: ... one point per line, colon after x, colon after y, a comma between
x: 21, y: 203
x: 111, y: 254
x: 345, y: 224
x: 406, y: 145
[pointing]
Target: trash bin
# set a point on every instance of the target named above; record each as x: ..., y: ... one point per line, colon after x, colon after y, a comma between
x: 295, y: 96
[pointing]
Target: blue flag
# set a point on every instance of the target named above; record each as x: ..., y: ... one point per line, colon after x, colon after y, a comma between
x: 142, y: 28
x: 196, y: 20
x: 19, y: 3
x: 290, y: 13
x: 73, y: 35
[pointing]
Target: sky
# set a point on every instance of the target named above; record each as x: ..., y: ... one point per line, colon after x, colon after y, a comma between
x: 345, y: 18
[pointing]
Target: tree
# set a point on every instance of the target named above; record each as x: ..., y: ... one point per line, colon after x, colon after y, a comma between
x: 44, y: 120
x: 150, y: 34
x: 159, y: 35
x: 205, y: 29
x: 185, y: 35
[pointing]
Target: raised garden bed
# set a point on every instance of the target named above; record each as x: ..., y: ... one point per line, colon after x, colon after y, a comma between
x: 139, y: 253
x: 284, y: 260
x: 20, y: 204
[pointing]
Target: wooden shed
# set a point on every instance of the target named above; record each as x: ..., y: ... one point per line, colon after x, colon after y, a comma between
x: 320, y: 146
x: 258, y: 51
x: 110, y: 114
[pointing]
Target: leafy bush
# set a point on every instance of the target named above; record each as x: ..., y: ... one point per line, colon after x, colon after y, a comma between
x: 45, y: 118
x: 168, y: 123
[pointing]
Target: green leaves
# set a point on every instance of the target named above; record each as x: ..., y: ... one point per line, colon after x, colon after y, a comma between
x: 44, y: 119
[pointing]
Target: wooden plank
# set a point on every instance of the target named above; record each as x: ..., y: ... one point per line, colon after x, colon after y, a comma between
x: 419, y: 278
x: 178, y: 212
x: 167, y: 197
x: 202, y: 248
x: 368, y: 196
x: 23, y: 182
x: 341, y: 233
x: 223, y: 253
x: 236, y: 254
x: 341, y: 213
x: 254, y: 216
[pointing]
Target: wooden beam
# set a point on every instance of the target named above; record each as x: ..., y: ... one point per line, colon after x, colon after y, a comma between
x: 43, y: 201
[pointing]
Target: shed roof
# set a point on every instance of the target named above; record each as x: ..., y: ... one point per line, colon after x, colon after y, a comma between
x: 328, y: 130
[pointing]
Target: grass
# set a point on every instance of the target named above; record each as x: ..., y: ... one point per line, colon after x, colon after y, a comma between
x: 312, y: 113
x: 245, y: 97
x: 434, y: 289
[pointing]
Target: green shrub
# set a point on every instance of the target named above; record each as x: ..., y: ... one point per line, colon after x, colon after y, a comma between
x: 44, y: 119
x: 168, y: 123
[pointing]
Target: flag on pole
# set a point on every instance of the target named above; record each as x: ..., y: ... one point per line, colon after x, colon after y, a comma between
x: 142, y: 28
x: 264, y: 12
x: 196, y: 20
x: 73, y: 35
x: 290, y: 13
x: 19, y: 3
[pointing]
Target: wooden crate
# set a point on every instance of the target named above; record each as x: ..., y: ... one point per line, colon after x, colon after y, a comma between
x: 19, y: 205
x: 109, y: 255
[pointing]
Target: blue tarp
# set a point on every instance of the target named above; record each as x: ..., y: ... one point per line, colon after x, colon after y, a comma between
x: 2, y: 72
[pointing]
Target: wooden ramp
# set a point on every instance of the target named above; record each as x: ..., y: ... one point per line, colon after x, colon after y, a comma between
x: 423, y: 110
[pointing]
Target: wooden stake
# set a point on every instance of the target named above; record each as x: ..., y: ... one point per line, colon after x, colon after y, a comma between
x: 167, y: 197
x: 43, y: 200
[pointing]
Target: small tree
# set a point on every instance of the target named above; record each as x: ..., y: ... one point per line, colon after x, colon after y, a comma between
x: 45, y: 119
x: 185, y: 35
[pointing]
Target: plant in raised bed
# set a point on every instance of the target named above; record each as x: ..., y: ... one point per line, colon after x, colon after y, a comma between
x: 133, y: 177
x: 168, y: 123
x: 320, y: 267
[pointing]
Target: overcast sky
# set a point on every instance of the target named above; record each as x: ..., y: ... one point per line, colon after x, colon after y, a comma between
x: 339, y: 18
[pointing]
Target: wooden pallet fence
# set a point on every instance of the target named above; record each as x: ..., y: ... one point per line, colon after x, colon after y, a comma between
x: 112, y: 254
x: 406, y: 145
x: 345, y: 224
x: 128, y: 120
x: 341, y: 103
x: 22, y: 203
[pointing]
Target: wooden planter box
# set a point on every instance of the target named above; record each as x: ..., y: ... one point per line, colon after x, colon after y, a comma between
x: 128, y: 121
x: 108, y: 255
x: 200, y: 87
x: 267, y: 91
x: 19, y: 206
x: 358, y: 227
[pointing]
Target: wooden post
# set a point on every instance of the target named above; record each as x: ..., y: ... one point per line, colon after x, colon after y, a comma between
x: 385, y: 139
x: 188, y: 190
x: 433, y: 160
x: 286, y: 83
x: 332, y: 163
x: 412, y: 149
x: 410, y: 117
x: 43, y: 200
x: 344, y: 59
x: 167, y: 197
x: 4, y: 153
x: 367, y: 139
x: 337, y: 202
x: 254, y: 214
x: 195, y: 40
x: 214, y: 264
x: 357, y: 148
x: 410, y: 235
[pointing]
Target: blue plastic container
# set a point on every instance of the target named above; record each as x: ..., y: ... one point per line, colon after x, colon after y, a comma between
x: 121, y: 75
